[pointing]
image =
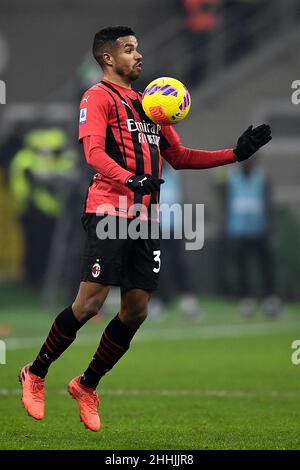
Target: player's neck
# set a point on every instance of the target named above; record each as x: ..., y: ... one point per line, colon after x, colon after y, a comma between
x: 117, y: 80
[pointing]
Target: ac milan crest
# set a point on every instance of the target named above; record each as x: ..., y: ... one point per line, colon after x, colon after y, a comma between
x: 96, y: 270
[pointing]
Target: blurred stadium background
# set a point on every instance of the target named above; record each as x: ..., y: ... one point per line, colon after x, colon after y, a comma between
x: 239, y: 59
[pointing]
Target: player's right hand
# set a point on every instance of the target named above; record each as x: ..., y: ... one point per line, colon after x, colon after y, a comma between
x: 144, y: 184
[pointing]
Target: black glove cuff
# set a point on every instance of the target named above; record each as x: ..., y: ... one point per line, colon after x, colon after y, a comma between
x: 240, y: 156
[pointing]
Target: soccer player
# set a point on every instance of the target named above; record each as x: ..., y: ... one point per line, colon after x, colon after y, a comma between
x: 125, y: 149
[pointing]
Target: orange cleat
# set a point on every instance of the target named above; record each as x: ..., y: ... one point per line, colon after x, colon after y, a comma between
x: 33, y: 393
x: 88, y: 401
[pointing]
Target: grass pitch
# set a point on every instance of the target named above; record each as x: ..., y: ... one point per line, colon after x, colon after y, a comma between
x: 220, y: 382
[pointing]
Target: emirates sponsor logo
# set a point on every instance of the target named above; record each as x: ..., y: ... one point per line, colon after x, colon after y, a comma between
x: 148, y: 132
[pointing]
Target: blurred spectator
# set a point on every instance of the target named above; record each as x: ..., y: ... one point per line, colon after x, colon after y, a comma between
x: 222, y: 252
x: 201, y: 20
x: 11, y: 246
x: 11, y: 145
x: 248, y: 228
x: 174, y: 280
x: 39, y: 176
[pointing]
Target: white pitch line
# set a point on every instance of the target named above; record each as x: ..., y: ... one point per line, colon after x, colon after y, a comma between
x: 174, y: 334
x: 177, y: 393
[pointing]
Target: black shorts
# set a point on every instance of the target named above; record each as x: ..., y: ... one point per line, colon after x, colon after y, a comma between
x: 127, y: 263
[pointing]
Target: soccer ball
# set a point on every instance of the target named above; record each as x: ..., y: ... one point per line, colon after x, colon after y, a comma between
x: 166, y: 101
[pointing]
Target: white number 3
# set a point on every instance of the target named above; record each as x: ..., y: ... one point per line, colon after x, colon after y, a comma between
x: 157, y: 258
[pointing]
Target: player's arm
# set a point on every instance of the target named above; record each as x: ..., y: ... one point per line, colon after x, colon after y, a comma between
x: 105, y: 165
x: 100, y: 161
x: 94, y: 118
x: 181, y: 157
x: 93, y: 121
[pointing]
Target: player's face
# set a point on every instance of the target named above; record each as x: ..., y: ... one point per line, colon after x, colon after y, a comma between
x: 127, y: 61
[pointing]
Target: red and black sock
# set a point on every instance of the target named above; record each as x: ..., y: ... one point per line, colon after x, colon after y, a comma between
x: 114, y: 343
x: 61, y: 336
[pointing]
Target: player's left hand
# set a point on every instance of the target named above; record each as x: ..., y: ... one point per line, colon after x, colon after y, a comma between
x: 144, y: 184
x: 251, y: 140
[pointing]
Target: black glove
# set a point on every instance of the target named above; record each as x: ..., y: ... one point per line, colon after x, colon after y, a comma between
x: 144, y: 184
x: 251, y: 140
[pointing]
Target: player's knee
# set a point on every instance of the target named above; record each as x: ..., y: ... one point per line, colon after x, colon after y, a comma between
x: 134, y: 315
x: 139, y: 316
x: 83, y: 311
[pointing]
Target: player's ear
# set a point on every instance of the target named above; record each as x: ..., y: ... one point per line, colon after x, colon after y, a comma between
x: 107, y: 59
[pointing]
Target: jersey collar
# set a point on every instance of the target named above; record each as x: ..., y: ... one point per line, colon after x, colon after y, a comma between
x: 127, y: 91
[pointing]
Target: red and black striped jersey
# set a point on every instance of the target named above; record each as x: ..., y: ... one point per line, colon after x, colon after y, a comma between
x: 128, y: 143
x: 115, y: 114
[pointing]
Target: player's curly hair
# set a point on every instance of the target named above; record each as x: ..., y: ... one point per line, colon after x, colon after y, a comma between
x: 107, y: 38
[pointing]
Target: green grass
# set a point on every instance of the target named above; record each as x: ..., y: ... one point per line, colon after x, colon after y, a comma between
x: 218, y: 383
